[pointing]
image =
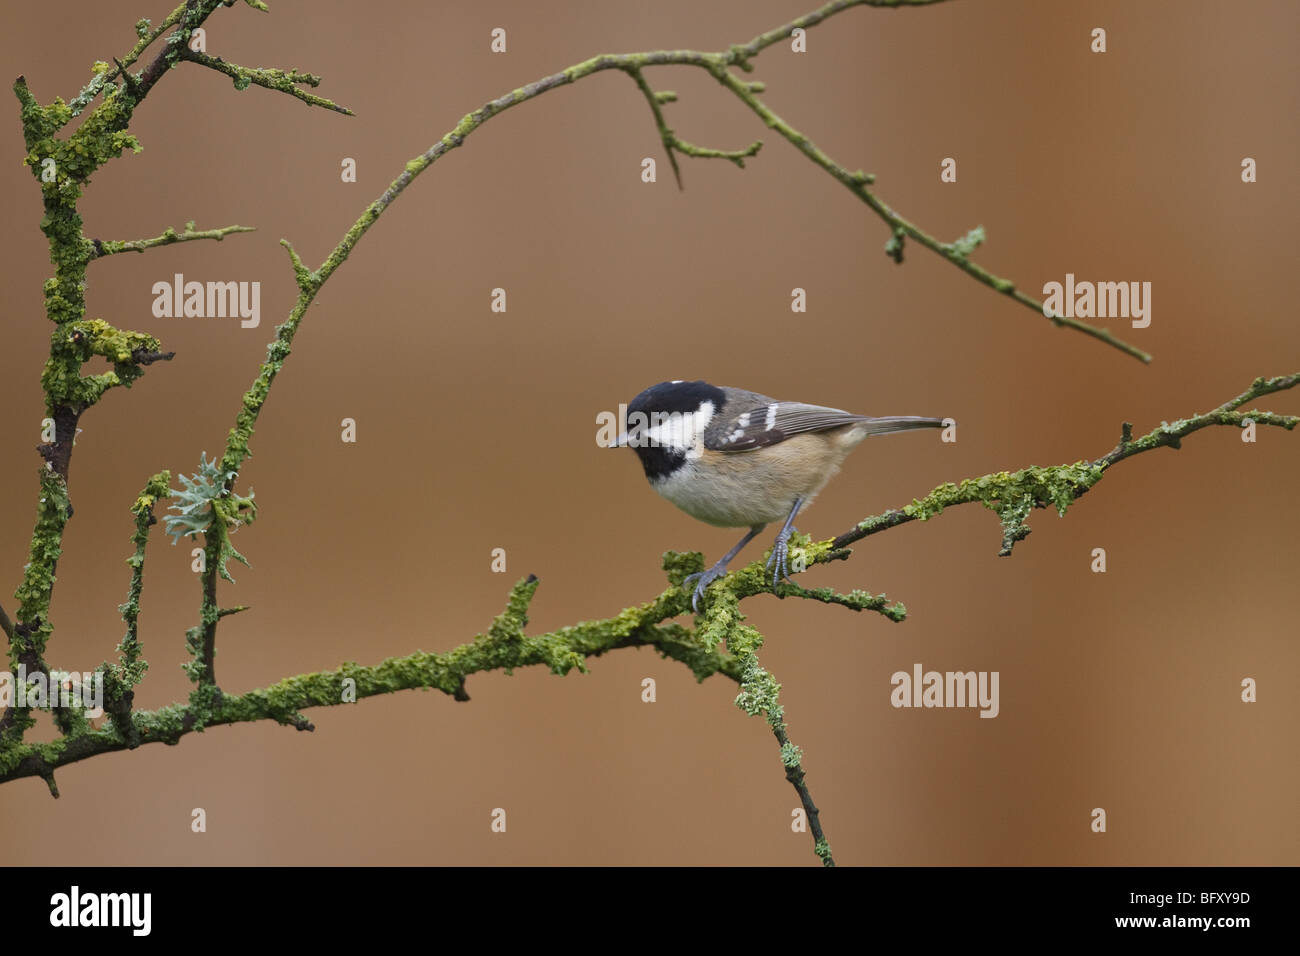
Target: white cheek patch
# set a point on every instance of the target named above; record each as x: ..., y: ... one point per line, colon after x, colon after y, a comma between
x: 681, y: 431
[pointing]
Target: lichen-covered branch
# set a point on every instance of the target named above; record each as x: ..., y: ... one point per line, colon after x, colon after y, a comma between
x: 504, y: 646
x: 760, y: 695
x: 1171, y: 434
x: 1012, y: 495
x: 283, y: 81
x: 62, y: 166
x: 120, y: 679
x: 169, y: 237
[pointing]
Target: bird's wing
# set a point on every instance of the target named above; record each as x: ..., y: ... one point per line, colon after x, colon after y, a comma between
x: 764, y: 425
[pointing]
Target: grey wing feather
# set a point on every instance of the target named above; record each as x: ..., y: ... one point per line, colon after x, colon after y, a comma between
x: 764, y: 425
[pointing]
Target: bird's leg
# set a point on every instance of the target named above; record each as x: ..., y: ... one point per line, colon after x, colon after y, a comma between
x: 778, y: 561
x: 718, y: 570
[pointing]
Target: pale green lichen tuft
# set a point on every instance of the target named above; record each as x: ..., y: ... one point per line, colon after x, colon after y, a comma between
x: 759, y: 689
x: 823, y: 851
x: 206, y: 505
x: 968, y: 243
x: 193, y: 501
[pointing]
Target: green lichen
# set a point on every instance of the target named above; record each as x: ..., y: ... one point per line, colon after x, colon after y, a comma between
x: 823, y: 851
x: 759, y: 691
x: 72, y: 344
x: 33, y: 594
x: 206, y: 504
x: 122, y: 677
x: 1011, y: 495
x: 791, y: 756
x: 968, y: 243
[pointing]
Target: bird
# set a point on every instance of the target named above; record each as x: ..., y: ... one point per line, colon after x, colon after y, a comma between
x: 734, y: 458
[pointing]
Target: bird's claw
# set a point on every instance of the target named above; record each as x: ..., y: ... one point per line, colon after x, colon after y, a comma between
x: 779, y: 560
x: 704, y: 579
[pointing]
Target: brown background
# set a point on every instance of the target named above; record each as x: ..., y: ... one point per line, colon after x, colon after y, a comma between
x: 477, y: 431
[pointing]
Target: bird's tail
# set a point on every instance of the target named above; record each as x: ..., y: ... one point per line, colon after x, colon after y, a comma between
x: 899, y: 423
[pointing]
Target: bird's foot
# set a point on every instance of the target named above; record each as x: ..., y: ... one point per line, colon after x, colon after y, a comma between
x: 779, y: 560
x: 703, y: 579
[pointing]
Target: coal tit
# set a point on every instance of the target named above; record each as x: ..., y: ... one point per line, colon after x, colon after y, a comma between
x: 734, y: 458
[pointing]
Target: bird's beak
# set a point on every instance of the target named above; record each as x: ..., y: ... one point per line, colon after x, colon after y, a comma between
x: 620, y: 441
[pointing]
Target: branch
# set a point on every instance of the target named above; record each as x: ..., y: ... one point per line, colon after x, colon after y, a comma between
x: 169, y: 236
x: 192, y: 15
x: 760, y: 695
x: 504, y: 646
x: 957, y: 252
x: 120, y: 679
x: 1226, y: 414
x: 674, y: 144
x: 103, y: 76
x: 309, y: 281
x: 282, y: 81
x: 101, y: 136
x: 792, y: 758
x: 1012, y: 495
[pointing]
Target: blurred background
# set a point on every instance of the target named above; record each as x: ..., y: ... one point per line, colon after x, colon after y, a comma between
x: 476, y: 430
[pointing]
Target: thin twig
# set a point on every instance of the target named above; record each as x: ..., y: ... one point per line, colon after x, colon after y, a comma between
x: 794, y: 773
x: 673, y: 144
x: 1061, y: 484
x: 282, y: 81
x: 169, y: 236
x: 856, y: 182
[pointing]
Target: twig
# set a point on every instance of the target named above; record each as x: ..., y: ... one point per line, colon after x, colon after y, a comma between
x: 121, y: 679
x: 856, y: 182
x: 760, y: 694
x: 282, y: 81
x: 794, y: 773
x: 169, y: 236
x: 1171, y: 435
x: 103, y: 76
x: 673, y: 144
x: 1012, y: 494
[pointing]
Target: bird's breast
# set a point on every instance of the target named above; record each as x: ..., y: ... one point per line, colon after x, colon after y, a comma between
x: 741, y: 489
